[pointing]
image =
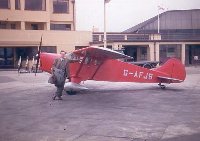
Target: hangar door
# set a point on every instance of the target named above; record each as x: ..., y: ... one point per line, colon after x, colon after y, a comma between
x: 167, y: 51
x: 139, y: 53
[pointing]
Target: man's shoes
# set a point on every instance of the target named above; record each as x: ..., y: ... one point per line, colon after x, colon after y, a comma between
x: 60, y: 98
x: 54, y: 97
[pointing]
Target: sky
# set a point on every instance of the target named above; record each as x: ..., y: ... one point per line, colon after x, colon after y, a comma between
x: 123, y: 14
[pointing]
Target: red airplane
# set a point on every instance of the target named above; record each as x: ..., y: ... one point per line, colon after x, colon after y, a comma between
x: 101, y: 64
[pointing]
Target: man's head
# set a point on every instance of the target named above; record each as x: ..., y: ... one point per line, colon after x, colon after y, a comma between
x: 62, y: 53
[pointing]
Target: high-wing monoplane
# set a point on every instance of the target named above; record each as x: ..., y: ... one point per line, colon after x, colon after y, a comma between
x: 102, y: 64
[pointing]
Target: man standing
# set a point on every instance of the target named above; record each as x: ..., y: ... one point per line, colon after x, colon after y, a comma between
x: 60, y: 70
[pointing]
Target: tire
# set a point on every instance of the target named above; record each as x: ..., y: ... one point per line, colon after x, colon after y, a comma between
x: 71, y: 92
x: 163, y: 87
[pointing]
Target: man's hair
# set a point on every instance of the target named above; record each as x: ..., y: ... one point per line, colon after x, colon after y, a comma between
x: 62, y: 51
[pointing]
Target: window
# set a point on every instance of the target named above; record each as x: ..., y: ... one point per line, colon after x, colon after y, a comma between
x: 143, y: 53
x: 49, y: 49
x: 60, y: 26
x: 9, y: 25
x: 4, y: 4
x: 34, y: 26
x: 171, y: 52
x: 17, y: 4
x: 36, y: 5
x: 13, y: 26
x: 25, y: 52
x: 2, y: 25
x: 6, y: 58
x: 60, y: 6
x: 168, y: 51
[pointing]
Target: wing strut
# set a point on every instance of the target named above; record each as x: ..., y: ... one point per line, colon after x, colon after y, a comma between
x: 81, y: 65
x: 97, y: 70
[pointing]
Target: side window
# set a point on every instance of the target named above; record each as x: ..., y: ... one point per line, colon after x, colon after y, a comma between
x: 35, y: 5
x: 17, y: 5
x: 4, y: 4
x: 60, y: 6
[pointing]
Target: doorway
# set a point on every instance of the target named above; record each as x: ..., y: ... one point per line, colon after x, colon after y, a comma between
x: 131, y: 51
x: 6, y: 58
x: 167, y: 51
x: 190, y: 53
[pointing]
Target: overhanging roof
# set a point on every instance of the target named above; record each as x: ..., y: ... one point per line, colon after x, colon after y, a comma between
x: 171, y: 18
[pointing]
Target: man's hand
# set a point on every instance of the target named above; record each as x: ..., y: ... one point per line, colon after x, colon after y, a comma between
x: 74, y: 61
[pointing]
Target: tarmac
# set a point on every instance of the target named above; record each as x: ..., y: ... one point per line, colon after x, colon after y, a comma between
x: 108, y: 111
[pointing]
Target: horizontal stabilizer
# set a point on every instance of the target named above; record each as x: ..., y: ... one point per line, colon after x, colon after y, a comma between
x: 169, y: 78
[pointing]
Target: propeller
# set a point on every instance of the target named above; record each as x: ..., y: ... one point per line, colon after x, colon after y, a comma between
x: 19, y: 64
x: 38, y: 57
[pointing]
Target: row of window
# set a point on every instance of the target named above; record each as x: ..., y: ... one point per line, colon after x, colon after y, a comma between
x: 59, y: 6
x: 33, y: 26
x: 60, y: 26
x: 4, y: 25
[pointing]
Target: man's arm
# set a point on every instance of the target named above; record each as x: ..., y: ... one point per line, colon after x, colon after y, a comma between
x: 54, y: 65
x: 73, y: 61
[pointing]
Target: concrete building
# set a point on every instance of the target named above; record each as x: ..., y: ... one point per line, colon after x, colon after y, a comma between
x: 23, y: 22
x: 179, y: 37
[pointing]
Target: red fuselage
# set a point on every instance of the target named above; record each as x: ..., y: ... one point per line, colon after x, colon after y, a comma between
x: 117, y: 71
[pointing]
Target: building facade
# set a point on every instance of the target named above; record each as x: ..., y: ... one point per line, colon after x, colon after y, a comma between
x: 23, y: 22
x: 179, y: 37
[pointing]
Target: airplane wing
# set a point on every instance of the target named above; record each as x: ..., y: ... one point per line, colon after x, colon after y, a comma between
x: 91, y: 61
x: 100, y: 53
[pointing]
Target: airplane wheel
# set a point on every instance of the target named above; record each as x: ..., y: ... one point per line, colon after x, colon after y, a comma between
x: 162, y: 87
x: 71, y: 92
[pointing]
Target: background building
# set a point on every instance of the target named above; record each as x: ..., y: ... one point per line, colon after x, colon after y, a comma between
x: 179, y: 37
x: 23, y: 22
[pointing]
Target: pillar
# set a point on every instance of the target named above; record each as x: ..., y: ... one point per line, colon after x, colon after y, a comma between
x: 12, y: 5
x: 157, y: 51
x: 22, y: 25
x: 150, y: 52
x: 47, y: 26
x: 183, y: 53
x: 22, y: 4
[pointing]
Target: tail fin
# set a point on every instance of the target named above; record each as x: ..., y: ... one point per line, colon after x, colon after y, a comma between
x: 174, y: 70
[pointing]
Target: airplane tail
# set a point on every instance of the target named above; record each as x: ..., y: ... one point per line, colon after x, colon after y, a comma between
x: 174, y: 70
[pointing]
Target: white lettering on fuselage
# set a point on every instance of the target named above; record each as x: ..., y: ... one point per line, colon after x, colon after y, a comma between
x: 137, y: 74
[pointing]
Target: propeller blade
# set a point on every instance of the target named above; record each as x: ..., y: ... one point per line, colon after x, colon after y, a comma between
x: 19, y: 64
x: 38, y: 57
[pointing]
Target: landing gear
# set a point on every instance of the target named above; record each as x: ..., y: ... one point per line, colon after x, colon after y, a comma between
x: 70, y: 92
x: 162, y: 86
